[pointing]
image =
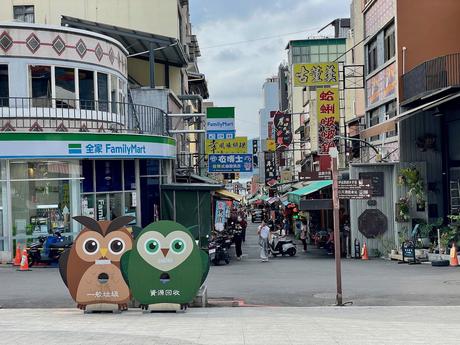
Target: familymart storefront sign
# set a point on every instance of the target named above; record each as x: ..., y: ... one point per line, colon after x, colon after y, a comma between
x: 85, y: 145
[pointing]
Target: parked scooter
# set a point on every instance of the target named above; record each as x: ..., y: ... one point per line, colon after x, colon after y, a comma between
x: 219, y: 249
x: 48, y: 249
x: 281, y: 246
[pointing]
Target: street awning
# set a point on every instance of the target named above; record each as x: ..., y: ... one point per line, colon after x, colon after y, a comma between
x: 426, y: 106
x: 168, y: 50
x: 312, y: 187
x: 230, y: 195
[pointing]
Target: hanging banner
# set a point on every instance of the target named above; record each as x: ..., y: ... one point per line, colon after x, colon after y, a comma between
x: 220, y: 215
x: 282, y: 123
x: 255, y: 146
x: 271, y: 145
x: 270, y: 168
x: 237, y: 145
x: 328, y: 112
x: 315, y: 74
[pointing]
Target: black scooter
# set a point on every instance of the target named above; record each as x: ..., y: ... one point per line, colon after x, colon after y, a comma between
x: 48, y: 249
x: 219, y: 249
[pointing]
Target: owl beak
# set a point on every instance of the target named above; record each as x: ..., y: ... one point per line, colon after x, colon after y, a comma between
x: 164, y: 251
x: 103, y: 251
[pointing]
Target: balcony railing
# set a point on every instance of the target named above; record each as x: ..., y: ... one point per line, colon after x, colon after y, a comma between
x: 62, y: 115
x: 442, y: 72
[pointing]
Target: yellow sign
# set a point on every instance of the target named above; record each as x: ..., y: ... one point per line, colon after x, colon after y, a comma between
x: 271, y: 145
x: 237, y: 145
x: 314, y: 74
x: 328, y: 111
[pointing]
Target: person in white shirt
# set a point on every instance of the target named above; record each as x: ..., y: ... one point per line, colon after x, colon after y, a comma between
x: 264, y: 234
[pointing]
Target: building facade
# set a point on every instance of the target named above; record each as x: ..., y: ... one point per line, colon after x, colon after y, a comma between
x: 71, y: 142
x: 162, y: 54
x: 302, y: 101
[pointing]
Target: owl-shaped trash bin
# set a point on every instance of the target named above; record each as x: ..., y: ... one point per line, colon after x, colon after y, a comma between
x: 91, y: 267
x: 165, y: 265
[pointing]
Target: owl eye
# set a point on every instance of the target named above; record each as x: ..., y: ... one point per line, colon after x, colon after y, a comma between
x: 116, y: 245
x: 91, y: 246
x: 152, y: 246
x: 177, y: 246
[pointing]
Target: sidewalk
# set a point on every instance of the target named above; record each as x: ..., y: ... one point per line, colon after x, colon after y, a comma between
x: 235, y: 326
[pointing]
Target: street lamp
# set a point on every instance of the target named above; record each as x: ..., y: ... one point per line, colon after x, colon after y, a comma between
x: 378, y: 155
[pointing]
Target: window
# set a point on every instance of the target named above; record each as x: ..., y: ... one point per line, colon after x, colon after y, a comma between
x: 24, y: 13
x: 390, y: 111
x: 103, y: 91
x: 372, y: 56
x: 374, y: 119
x: 86, y: 89
x: 389, y: 42
x: 65, y: 87
x: 40, y: 86
x: 4, y: 86
x: 114, y: 93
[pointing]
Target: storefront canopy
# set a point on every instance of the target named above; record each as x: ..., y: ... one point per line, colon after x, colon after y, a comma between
x: 226, y: 194
x: 312, y: 187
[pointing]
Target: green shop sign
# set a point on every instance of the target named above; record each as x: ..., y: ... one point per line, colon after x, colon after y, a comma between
x: 85, y: 145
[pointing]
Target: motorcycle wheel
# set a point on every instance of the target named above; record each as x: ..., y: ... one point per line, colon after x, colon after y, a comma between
x: 227, y: 261
x: 31, y: 260
x: 291, y: 251
x: 216, y: 262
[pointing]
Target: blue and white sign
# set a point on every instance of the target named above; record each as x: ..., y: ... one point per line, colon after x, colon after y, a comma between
x: 220, y: 125
x: 230, y: 163
x: 220, y: 135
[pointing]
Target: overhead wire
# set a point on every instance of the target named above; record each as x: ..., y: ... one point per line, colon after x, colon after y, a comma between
x: 258, y: 39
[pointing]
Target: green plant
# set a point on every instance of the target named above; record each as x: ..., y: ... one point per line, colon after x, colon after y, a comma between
x: 425, y: 229
x: 410, y: 178
x: 403, y: 210
x: 387, y: 245
x: 403, y: 235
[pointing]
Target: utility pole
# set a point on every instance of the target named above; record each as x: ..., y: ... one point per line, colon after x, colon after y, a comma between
x: 333, y: 152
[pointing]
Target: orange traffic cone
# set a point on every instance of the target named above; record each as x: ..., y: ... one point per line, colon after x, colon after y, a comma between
x: 17, y: 257
x: 453, y: 255
x: 24, y: 261
x: 364, y: 255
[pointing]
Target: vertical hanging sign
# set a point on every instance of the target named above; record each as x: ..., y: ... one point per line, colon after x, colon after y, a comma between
x: 328, y: 112
x: 270, y: 168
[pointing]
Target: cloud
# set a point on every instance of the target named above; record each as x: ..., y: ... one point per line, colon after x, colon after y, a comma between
x: 236, y: 72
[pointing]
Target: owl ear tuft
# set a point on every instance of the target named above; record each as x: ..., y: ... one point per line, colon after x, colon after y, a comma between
x: 89, y: 223
x: 136, y: 231
x: 119, y: 222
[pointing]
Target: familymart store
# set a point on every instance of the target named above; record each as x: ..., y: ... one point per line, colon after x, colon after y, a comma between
x: 47, y: 178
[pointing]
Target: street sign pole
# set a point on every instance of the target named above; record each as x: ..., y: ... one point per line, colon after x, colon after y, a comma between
x: 335, y: 197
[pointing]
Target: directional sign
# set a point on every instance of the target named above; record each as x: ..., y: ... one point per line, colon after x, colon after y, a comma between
x: 315, y: 176
x: 355, y: 189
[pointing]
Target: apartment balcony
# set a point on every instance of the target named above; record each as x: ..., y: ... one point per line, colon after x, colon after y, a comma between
x: 431, y: 76
x: 23, y: 114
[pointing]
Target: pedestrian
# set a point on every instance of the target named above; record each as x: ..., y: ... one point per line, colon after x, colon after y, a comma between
x: 238, y: 239
x: 244, y: 225
x: 264, y: 234
x: 303, y: 234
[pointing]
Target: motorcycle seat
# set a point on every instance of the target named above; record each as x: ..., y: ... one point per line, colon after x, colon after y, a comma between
x: 62, y: 244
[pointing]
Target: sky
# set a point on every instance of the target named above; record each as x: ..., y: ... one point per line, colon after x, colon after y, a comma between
x: 236, y: 71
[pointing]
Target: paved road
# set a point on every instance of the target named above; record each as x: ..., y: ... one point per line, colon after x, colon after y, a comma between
x: 235, y: 326
x: 304, y: 280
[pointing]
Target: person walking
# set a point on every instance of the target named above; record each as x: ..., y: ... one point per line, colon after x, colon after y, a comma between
x: 264, y: 234
x: 303, y: 234
x: 238, y: 239
x: 244, y: 225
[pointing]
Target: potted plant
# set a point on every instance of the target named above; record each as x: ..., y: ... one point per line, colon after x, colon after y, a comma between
x: 410, y: 178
